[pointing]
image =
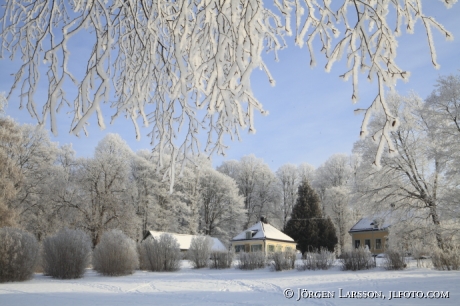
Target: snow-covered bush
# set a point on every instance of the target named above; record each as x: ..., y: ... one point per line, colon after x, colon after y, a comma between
x: 251, y: 261
x: 221, y: 260
x: 394, y: 260
x: 449, y: 259
x: 280, y: 261
x: 199, y: 251
x: 322, y: 259
x: 162, y: 254
x: 116, y: 254
x: 66, y: 254
x: 357, y: 259
x: 18, y: 254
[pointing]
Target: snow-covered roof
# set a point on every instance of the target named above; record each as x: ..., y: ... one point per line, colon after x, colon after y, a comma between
x: 261, y: 231
x: 370, y: 224
x: 185, y: 240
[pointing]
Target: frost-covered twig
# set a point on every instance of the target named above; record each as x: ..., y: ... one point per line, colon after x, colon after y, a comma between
x: 183, y: 66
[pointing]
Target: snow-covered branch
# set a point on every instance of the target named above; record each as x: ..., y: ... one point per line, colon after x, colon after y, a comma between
x: 167, y: 60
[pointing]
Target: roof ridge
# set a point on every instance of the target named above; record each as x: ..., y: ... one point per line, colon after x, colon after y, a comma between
x: 263, y: 229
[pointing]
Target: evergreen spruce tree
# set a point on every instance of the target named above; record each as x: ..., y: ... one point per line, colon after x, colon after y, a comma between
x: 307, y: 226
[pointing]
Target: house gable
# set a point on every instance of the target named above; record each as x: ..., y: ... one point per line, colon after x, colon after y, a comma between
x: 262, y: 237
x: 370, y: 224
x: 370, y: 232
x: 263, y: 231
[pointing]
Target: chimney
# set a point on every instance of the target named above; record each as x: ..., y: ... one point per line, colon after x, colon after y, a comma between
x: 263, y: 220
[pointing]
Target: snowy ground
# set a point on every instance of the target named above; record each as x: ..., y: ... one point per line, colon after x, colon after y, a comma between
x: 235, y: 287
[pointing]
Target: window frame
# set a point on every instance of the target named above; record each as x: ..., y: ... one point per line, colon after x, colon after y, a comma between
x: 239, y: 248
x: 378, y: 243
x: 367, y: 242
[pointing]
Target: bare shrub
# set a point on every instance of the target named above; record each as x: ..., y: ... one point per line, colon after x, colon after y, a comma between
x: 199, y: 251
x: 162, y: 254
x: 251, y: 261
x: 280, y: 261
x: 357, y: 259
x: 420, y: 253
x: 66, y: 254
x: 319, y: 260
x: 115, y: 255
x: 221, y: 260
x: 18, y: 254
x: 449, y: 259
x: 394, y: 260
x: 143, y: 260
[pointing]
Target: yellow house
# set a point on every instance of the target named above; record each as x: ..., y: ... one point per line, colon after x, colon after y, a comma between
x: 262, y: 237
x: 369, y: 232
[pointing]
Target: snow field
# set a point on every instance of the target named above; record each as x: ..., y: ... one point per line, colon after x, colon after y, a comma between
x: 233, y: 287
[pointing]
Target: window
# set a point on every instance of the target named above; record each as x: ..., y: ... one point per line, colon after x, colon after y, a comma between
x: 288, y: 249
x: 271, y: 248
x: 367, y: 242
x: 248, y: 235
x: 239, y: 248
x: 357, y: 243
x: 279, y: 248
x: 256, y: 248
x: 378, y: 244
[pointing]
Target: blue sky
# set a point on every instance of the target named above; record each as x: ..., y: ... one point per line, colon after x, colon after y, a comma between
x: 311, y: 113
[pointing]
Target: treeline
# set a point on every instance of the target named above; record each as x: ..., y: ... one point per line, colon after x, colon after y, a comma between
x: 414, y: 185
x: 45, y: 187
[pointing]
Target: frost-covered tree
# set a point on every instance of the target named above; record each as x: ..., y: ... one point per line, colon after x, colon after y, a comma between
x: 100, y: 199
x: 221, y: 207
x: 158, y: 208
x: 337, y: 171
x: 34, y: 156
x: 144, y: 180
x: 442, y: 113
x: 413, y: 184
x: 7, y: 215
x: 337, y: 203
x: 188, y: 192
x: 266, y: 196
x: 10, y: 174
x: 288, y: 180
x: 306, y: 172
x: 333, y: 182
x: 166, y: 60
x: 33, y: 173
x: 3, y: 103
x: 257, y: 184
